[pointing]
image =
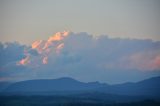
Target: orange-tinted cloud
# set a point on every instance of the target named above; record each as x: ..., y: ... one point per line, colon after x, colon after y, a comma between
x: 38, y: 45
x: 24, y: 61
x: 54, y: 43
x: 59, y: 36
x: 59, y: 47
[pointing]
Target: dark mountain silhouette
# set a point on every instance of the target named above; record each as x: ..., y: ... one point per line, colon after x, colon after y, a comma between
x: 49, y: 85
x: 148, y: 88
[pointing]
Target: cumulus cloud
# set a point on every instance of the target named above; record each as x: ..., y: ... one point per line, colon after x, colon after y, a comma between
x: 84, y: 56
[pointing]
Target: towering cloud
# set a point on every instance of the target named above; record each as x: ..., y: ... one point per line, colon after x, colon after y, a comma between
x: 44, y: 48
x: 84, y: 56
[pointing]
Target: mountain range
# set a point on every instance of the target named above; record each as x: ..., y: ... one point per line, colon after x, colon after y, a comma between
x: 145, y: 89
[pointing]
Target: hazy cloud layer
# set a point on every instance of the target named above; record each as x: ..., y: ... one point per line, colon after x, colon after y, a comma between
x: 81, y: 56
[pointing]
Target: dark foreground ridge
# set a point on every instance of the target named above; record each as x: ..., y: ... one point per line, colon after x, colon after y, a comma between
x: 67, y: 101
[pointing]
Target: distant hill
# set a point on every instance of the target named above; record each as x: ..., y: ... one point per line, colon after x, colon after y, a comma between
x: 146, y: 89
x: 49, y: 85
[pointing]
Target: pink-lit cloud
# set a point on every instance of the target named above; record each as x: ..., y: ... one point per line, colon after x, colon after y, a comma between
x: 24, y: 61
x: 59, y: 47
x: 45, y: 60
x: 44, y: 48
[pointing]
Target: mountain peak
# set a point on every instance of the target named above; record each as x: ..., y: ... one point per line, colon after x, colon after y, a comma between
x: 65, y: 78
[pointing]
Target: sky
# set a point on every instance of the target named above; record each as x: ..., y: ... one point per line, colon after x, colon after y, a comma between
x: 26, y: 21
x: 112, y: 41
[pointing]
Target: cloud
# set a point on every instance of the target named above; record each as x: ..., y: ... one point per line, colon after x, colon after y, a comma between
x: 10, y: 52
x: 84, y: 57
x: 149, y: 60
x: 45, y: 60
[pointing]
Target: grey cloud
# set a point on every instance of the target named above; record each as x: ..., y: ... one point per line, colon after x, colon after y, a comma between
x: 10, y: 52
